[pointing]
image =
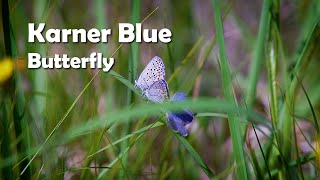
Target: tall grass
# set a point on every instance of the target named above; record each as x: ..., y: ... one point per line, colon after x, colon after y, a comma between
x: 132, y: 72
x: 5, y: 136
x: 234, y: 124
x: 16, y: 98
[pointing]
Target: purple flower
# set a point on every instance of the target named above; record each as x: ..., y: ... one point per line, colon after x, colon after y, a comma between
x: 177, y: 120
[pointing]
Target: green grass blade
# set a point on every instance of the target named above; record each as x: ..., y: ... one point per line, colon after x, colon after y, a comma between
x: 153, y: 110
x: 5, y: 150
x: 132, y: 71
x: 15, y: 90
x: 236, y: 137
x: 100, y: 9
x: 125, y: 151
x: 315, y: 120
x: 195, y: 155
x: 258, y: 56
x: 101, y: 21
x: 157, y: 124
x: 212, y: 115
x: 286, y: 111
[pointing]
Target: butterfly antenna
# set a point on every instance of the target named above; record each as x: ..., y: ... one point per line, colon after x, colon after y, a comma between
x: 167, y: 88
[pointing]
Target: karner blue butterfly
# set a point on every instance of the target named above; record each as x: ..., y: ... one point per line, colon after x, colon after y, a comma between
x: 151, y: 81
x: 178, y: 120
x: 153, y: 72
x: 153, y: 85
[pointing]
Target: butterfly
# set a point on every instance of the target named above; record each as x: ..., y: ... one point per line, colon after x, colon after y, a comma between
x: 153, y: 72
x: 151, y: 81
x: 178, y: 120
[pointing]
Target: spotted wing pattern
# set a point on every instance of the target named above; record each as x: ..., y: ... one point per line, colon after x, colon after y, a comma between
x: 153, y: 72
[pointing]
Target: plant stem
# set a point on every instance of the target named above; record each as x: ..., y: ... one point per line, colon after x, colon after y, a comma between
x: 237, y: 141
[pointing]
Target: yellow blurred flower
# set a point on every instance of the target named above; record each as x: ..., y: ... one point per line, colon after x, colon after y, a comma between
x: 6, y: 69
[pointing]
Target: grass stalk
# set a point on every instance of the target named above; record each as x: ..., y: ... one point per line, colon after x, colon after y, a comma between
x: 100, y: 9
x: 7, y: 172
x: 286, y: 111
x: 40, y: 81
x: 272, y: 59
x: 237, y: 141
x: 257, y: 62
x: 15, y: 92
x: 40, y: 75
x: 132, y: 72
x: 133, y: 63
